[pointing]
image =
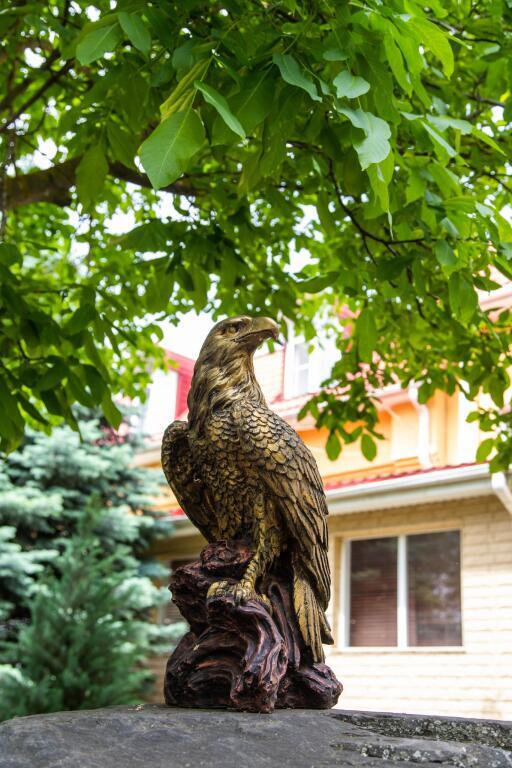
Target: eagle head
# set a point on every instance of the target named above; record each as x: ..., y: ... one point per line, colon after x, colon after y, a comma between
x: 237, y: 337
x: 224, y: 369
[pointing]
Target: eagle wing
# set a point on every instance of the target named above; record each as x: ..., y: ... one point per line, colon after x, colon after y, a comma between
x: 180, y: 473
x: 288, y: 469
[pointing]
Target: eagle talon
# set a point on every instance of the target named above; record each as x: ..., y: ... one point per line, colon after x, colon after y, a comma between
x: 241, y: 592
x: 219, y: 589
x: 244, y: 592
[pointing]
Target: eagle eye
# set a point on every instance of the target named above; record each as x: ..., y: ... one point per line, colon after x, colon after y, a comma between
x: 234, y: 327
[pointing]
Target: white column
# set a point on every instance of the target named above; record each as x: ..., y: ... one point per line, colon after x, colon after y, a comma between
x: 402, y: 592
x: 344, y: 618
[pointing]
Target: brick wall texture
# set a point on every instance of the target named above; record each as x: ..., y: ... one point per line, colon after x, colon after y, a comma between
x: 473, y: 681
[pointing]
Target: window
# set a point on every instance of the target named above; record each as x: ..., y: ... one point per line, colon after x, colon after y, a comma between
x: 404, y: 591
x: 373, y: 592
x: 308, y: 365
x: 433, y: 579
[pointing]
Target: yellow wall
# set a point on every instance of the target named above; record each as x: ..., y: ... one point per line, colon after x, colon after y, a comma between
x: 398, y: 452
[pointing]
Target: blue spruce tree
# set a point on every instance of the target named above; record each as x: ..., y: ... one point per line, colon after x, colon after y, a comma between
x: 77, y: 591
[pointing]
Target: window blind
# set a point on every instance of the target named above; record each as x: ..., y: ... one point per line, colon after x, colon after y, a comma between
x: 373, y: 592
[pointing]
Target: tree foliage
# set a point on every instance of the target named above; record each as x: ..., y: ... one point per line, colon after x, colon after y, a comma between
x: 374, y: 135
x: 77, y: 591
x: 46, y: 485
x: 83, y: 648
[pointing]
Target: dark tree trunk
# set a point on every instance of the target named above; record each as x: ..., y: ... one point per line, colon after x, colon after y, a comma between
x: 239, y: 656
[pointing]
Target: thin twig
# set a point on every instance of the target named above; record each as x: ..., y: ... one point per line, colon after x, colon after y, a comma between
x: 35, y: 96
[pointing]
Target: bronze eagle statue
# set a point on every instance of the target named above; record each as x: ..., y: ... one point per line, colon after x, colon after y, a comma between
x: 240, y: 472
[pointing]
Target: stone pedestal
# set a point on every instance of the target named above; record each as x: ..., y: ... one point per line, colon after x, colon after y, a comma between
x: 154, y: 736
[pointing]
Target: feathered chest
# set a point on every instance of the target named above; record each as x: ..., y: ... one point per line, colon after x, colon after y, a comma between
x: 230, y: 477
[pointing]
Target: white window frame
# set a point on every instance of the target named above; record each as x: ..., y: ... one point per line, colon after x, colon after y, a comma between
x: 291, y: 370
x: 402, y: 594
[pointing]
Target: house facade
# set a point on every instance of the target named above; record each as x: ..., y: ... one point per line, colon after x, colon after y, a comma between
x: 420, y: 550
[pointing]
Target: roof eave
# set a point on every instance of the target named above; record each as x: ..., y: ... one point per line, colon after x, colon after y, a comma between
x: 441, y: 485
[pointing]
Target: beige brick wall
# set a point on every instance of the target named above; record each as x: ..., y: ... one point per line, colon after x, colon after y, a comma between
x: 475, y: 680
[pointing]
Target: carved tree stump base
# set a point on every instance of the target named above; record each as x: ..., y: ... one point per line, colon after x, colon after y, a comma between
x: 239, y: 656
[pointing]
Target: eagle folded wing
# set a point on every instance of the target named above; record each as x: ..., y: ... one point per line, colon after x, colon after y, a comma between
x: 180, y: 472
x: 289, y: 471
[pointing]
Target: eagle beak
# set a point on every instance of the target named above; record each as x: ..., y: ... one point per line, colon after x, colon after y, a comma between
x: 260, y: 329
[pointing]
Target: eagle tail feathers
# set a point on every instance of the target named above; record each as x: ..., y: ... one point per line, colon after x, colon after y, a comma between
x: 310, y: 616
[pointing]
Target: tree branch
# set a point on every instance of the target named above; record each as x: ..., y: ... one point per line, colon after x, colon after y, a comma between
x: 53, y: 185
x: 497, y: 178
x: 26, y: 82
x: 35, y: 96
x: 180, y: 187
x: 365, y: 233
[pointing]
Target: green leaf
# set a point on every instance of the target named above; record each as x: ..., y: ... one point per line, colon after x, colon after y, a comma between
x: 97, y: 42
x: 80, y: 319
x: 375, y: 147
x: 317, y: 284
x: 292, y: 73
x: 218, y: 101
x: 251, y: 106
x: 327, y: 220
x: 483, y: 136
x: 123, y: 144
x: 415, y: 186
x: 366, y: 334
x: 485, y: 448
x: 53, y: 376
x: 181, y: 97
x: 10, y: 406
x: 463, y: 298
x: 442, y: 122
x: 10, y: 254
x: 432, y: 37
x: 350, y: 86
x: 27, y: 406
x: 368, y: 447
x: 254, y: 101
x: 333, y: 446
x: 335, y: 54
x: 78, y: 391
x: 497, y: 387
x: 395, y: 61
x: 136, y: 31
x: 52, y: 402
x: 445, y: 179
x: 440, y: 145
x: 449, y: 227
x: 380, y: 175
x: 445, y: 255
x: 166, y: 152
x: 111, y: 411
x: 91, y: 173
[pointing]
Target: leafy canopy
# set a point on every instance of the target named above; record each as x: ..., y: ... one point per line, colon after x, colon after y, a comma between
x: 374, y: 135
